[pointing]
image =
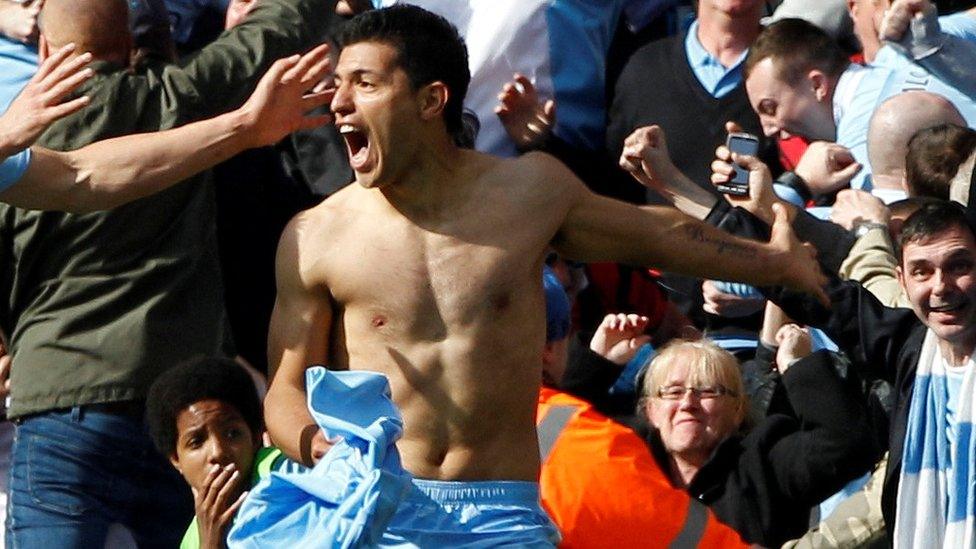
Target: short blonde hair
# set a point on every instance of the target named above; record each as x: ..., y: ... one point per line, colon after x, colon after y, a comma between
x: 708, y: 364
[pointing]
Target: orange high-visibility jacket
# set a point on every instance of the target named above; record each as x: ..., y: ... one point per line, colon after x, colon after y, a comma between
x: 602, y: 487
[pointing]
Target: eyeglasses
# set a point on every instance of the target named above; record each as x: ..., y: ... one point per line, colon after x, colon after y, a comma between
x: 677, y: 392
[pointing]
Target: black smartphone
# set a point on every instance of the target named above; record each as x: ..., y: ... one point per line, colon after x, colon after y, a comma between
x: 742, y: 144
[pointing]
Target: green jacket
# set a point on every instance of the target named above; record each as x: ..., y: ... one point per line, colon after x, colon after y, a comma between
x: 101, y: 303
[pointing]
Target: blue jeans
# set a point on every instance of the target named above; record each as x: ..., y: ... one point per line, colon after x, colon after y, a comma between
x: 75, y: 472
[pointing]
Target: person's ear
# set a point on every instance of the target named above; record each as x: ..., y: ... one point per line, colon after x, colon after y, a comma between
x: 432, y: 99
x: 901, y: 275
x: 175, y: 461
x: 894, y: 228
x: 820, y: 84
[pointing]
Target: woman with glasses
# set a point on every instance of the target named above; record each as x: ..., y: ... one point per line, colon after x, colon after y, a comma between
x: 762, y: 482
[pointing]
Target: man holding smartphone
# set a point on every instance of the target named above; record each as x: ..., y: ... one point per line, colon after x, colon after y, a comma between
x: 744, y: 144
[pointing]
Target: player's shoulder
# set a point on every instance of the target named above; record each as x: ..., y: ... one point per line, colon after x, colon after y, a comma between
x: 330, y: 213
x: 531, y: 177
x: 307, y: 227
x: 546, y: 172
x: 530, y: 166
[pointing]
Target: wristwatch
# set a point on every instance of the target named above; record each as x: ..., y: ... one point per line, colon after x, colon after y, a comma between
x: 862, y: 227
x: 795, y: 182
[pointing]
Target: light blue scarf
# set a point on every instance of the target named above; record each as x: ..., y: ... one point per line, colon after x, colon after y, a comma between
x: 936, y: 504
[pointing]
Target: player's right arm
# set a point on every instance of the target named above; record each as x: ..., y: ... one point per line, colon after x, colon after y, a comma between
x: 298, y: 338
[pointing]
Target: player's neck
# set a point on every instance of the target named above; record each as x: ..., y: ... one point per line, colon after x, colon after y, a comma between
x: 431, y: 182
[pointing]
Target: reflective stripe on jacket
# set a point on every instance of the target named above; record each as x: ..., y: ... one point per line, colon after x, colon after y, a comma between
x: 602, y: 487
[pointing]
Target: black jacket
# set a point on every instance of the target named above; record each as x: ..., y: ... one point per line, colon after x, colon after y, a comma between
x: 882, y: 342
x: 764, y: 483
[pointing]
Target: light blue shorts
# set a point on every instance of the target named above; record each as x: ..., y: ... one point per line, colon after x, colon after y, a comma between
x: 359, y: 495
x: 471, y: 515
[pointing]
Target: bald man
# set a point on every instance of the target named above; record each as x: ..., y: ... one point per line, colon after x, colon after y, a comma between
x: 892, y: 125
x: 101, y: 303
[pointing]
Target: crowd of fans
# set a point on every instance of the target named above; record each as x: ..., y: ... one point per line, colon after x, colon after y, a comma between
x: 188, y: 228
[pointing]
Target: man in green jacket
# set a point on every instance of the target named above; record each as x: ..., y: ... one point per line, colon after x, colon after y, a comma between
x: 101, y: 303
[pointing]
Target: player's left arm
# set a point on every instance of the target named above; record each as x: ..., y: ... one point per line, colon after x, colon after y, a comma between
x: 598, y: 228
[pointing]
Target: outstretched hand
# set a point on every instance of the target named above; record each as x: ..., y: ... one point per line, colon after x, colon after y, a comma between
x: 645, y: 157
x: 827, y: 167
x: 282, y: 99
x: 526, y: 120
x: 796, y: 261
x: 619, y: 337
x: 40, y: 102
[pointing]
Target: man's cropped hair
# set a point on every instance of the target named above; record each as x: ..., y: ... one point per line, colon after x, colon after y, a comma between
x: 931, y: 219
x: 199, y: 378
x: 429, y: 49
x: 796, y: 47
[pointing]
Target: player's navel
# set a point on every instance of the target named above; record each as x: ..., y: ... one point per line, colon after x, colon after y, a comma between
x: 438, y: 456
x: 378, y: 321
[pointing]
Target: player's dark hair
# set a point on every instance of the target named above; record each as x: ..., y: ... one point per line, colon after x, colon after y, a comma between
x: 429, y: 49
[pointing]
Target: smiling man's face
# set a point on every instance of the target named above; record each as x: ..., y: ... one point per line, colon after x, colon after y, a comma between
x: 938, y: 273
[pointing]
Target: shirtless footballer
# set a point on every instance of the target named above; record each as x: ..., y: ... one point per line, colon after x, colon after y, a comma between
x: 428, y: 268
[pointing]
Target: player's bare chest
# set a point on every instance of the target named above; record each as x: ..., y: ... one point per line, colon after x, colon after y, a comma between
x: 461, y: 273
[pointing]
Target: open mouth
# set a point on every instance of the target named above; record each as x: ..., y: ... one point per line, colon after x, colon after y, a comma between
x: 948, y: 308
x: 357, y: 144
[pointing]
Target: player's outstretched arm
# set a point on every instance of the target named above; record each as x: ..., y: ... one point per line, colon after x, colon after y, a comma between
x: 298, y: 338
x: 115, y: 171
x: 597, y: 228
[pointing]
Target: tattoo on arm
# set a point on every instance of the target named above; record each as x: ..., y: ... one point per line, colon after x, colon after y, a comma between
x: 697, y: 233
